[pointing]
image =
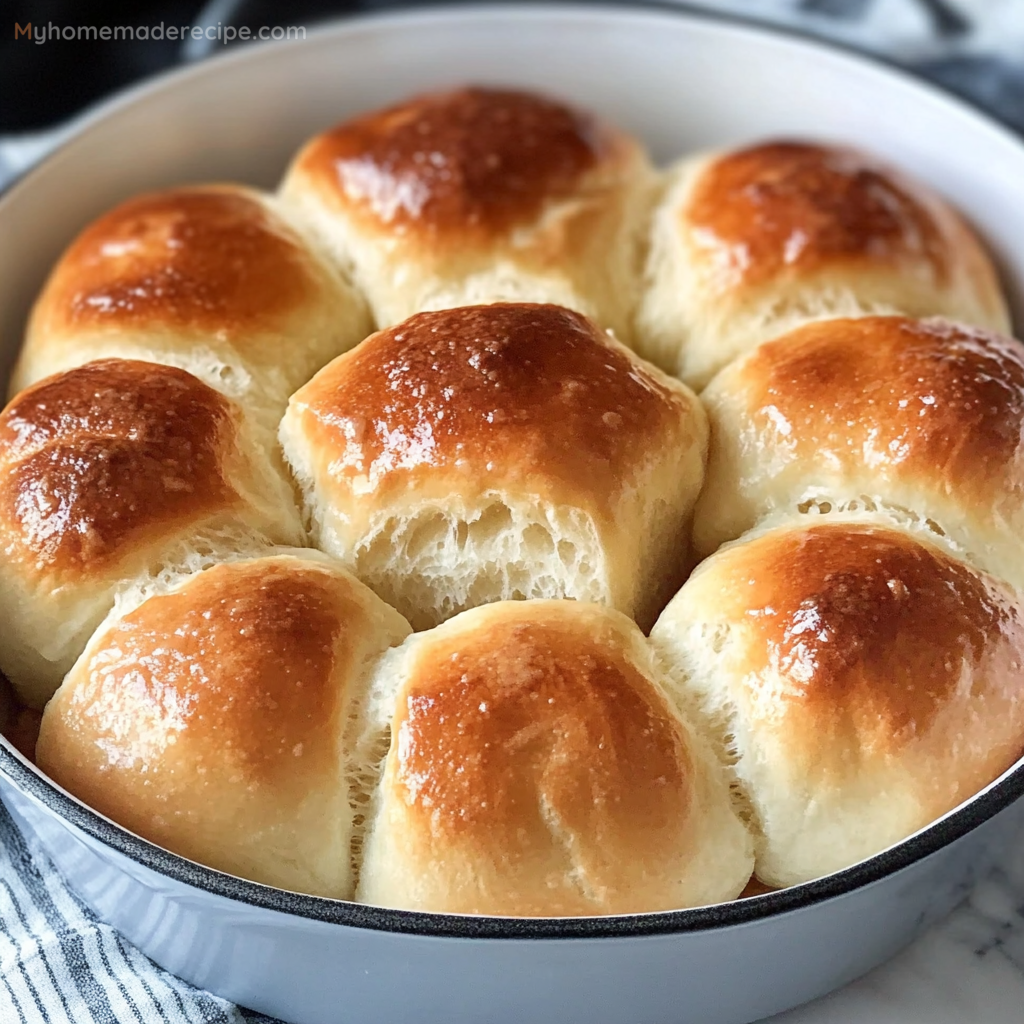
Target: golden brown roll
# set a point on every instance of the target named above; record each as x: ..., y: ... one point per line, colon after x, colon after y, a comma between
x: 212, y: 718
x: 479, y: 195
x: 108, y: 471
x: 859, y: 682
x: 749, y: 244
x: 536, y: 768
x: 493, y: 452
x: 212, y: 279
x: 918, y: 420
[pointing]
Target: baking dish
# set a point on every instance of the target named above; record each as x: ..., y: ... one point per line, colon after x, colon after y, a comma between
x: 681, y: 82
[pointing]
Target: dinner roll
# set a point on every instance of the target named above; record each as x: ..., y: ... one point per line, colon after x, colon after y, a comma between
x: 747, y: 245
x: 111, y: 470
x: 536, y: 768
x: 212, y: 718
x: 860, y: 682
x: 212, y: 279
x: 479, y: 195
x: 921, y: 420
x: 492, y: 452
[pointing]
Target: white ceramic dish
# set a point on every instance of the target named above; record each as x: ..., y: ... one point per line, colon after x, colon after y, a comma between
x: 681, y: 82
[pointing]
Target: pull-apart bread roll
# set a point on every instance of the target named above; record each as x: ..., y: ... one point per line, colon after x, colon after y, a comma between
x: 747, y: 245
x: 111, y: 470
x: 493, y: 452
x: 213, y: 718
x: 212, y: 279
x: 861, y: 682
x: 918, y: 420
x: 480, y: 195
x: 537, y: 768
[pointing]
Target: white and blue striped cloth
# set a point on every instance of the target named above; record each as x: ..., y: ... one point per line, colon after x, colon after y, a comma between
x: 58, y: 964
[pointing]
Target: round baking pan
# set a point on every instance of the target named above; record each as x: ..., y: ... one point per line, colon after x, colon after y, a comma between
x: 681, y: 81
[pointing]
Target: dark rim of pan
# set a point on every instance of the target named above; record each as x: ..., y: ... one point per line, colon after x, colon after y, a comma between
x: 942, y: 833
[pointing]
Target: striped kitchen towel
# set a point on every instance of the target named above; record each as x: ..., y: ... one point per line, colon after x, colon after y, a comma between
x: 59, y: 965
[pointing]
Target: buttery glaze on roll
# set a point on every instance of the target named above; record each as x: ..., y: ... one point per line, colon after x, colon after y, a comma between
x: 111, y: 470
x: 537, y: 768
x: 212, y: 279
x: 861, y: 684
x: 479, y: 195
x: 493, y: 452
x: 214, y: 718
x: 918, y: 420
x: 749, y: 244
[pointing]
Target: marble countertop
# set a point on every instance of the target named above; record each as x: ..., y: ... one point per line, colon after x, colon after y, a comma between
x: 967, y: 970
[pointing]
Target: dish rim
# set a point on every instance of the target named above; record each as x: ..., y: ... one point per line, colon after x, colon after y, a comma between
x: 975, y: 812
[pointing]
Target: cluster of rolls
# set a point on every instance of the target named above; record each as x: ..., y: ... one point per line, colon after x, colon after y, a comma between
x: 293, y: 594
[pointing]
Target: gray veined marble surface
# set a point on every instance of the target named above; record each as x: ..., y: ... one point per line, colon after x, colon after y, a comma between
x: 967, y: 970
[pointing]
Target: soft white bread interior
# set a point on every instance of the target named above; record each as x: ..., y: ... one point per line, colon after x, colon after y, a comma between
x: 480, y: 195
x: 748, y: 244
x: 494, y: 452
x: 214, y: 717
x: 113, y: 470
x: 214, y: 279
x: 919, y: 420
x: 857, y: 682
x: 537, y: 768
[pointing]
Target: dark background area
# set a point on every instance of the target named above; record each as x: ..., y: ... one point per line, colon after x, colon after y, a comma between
x: 43, y: 84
